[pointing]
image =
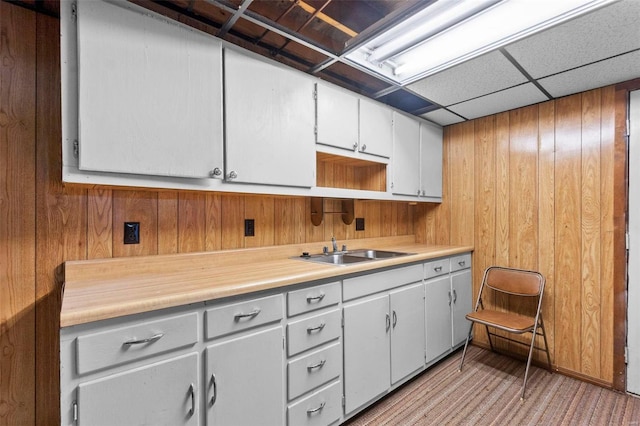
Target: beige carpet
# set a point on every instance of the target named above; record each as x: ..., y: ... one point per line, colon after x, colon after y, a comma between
x: 487, y: 392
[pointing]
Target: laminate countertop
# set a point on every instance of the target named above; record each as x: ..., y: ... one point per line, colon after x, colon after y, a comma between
x: 108, y: 288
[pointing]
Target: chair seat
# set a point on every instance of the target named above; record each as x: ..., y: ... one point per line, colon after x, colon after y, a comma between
x: 513, y: 323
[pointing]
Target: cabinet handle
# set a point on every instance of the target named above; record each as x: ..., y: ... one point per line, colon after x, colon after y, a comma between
x: 462, y: 263
x: 318, y: 298
x: 311, y: 411
x: 320, y: 364
x: 232, y: 175
x: 449, y: 293
x: 364, y: 148
x: 395, y: 319
x: 418, y: 192
x: 250, y: 315
x: 388, y: 322
x: 455, y: 296
x: 215, y: 390
x: 143, y: 341
x: 192, y: 391
x: 355, y: 146
x: 316, y: 328
x: 215, y: 172
x: 438, y: 268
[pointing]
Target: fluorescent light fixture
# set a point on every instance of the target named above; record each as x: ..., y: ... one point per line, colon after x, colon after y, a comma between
x: 449, y: 32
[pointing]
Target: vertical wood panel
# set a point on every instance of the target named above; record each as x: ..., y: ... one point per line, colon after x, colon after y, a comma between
x: 260, y: 209
x: 99, y: 224
x: 607, y: 191
x: 167, y: 222
x: 289, y: 226
x: 546, y: 212
x: 462, y: 207
x: 568, y: 232
x: 135, y: 206
x: 17, y: 214
x: 213, y: 222
x: 590, y: 224
x: 232, y: 222
x: 192, y: 226
x: 443, y: 210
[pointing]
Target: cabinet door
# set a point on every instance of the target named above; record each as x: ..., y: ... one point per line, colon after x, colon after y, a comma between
x: 337, y: 112
x: 438, y: 316
x: 431, y: 160
x: 461, y: 306
x: 138, y: 113
x: 270, y: 119
x: 376, y: 128
x: 165, y: 393
x: 245, y: 380
x: 406, y: 155
x: 407, y: 331
x: 366, y: 351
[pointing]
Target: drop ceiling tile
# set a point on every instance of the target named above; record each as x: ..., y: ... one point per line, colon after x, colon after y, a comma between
x: 442, y: 117
x: 480, y: 76
x: 515, y: 97
x: 608, y: 31
x: 614, y: 70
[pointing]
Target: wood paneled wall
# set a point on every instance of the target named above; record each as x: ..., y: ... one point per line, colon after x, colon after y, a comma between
x: 534, y: 188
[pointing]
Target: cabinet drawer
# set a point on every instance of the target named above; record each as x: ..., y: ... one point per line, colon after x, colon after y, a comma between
x: 243, y: 315
x: 136, y: 341
x: 313, y: 331
x: 461, y: 262
x: 380, y: 281
x: 436, y: 267
x: 312, y: 298
x: 314, y: 370
x: 320, y: 408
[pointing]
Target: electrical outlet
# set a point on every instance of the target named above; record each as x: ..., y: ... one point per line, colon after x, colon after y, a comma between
x: 132, y: 232
x: 359, y: 223
x: 249, y: 228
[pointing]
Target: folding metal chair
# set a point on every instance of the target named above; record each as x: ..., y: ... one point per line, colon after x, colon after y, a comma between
x: 518, y: 283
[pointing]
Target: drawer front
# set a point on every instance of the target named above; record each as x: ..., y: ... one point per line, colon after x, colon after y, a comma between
x: 381, y: 281
x: 318, y: 409
x: 242, y: 316
x: 309, y: 332
x: 314, y: 370
x: 136, y: 341
x: 461, y: 262
x: 312, y: 298
x: 436, y: 268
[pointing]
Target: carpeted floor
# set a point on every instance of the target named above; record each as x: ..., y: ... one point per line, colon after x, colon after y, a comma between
x: 487, y: 392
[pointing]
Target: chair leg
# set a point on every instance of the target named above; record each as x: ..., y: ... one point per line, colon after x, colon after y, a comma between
x: 464, y: 351
x: 526, y: 371
x: 489, y: 338
x: 546, y: 346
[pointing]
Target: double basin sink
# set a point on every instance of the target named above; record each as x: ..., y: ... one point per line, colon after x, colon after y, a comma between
x: 343, y: 258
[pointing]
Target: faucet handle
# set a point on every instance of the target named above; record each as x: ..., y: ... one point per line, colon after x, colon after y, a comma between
x: 325, y: 250
x: 344, y: 247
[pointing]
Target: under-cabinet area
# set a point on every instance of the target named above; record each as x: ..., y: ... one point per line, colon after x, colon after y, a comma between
x: 236, y: 123
x: 307, y: 351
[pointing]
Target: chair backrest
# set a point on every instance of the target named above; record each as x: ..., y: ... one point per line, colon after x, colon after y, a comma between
x: 514, y: 281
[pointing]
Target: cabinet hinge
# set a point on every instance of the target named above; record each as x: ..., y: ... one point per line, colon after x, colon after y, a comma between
x: 627, y: 131
x: 627, y: 241
x: 283, y: 344
x: 75, y: 411
x: 342, y: 321
x: 626, y: 355
x: 315, y: 93
x: 343, y: 402
x: 315, y: 130
x: 76, y: 148
x: 74, y: 12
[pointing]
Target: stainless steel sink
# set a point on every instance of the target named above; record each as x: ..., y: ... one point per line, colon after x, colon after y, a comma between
x: 377, y: 254
x: 350, y: 257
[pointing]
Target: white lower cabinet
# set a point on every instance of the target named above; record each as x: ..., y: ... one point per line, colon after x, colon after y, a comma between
x: 164, y: 393
x: 407, y: 331
x: 244, y: 379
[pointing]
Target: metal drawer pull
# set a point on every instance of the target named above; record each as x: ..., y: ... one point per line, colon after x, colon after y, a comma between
x: 316, y: 328
x: 395, y: 319
x: 388, y: 322
x: 319, y: 298
x: 192, y: 391
x: 438, y: 268
x: 455, y: 296
x: 311, y: 411
x: 249, y: 315
x: 143, y: 341
x: 462, y: 263
x: 316, y: 365
x: 215, y: 390
x: 449, y: 293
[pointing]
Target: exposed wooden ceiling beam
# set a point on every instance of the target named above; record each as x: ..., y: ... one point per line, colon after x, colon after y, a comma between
x: 325, y: 18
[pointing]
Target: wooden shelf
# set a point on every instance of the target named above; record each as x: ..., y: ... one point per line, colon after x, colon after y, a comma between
x: 334, y: 171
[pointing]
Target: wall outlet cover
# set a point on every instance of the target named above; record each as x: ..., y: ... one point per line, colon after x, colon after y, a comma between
x: 132, y: 233
x: 249, y: 228
x: 359, y: 223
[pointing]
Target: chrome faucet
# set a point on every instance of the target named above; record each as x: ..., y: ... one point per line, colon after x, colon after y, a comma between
x: 334, y: 243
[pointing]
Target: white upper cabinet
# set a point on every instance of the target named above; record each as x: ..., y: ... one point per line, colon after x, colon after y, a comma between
x: 270, y: 119
x: 406, y: 155
x: 150, y: 93
x: 337, y: 111
x: 376, y: 128
x: 431, y: 160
